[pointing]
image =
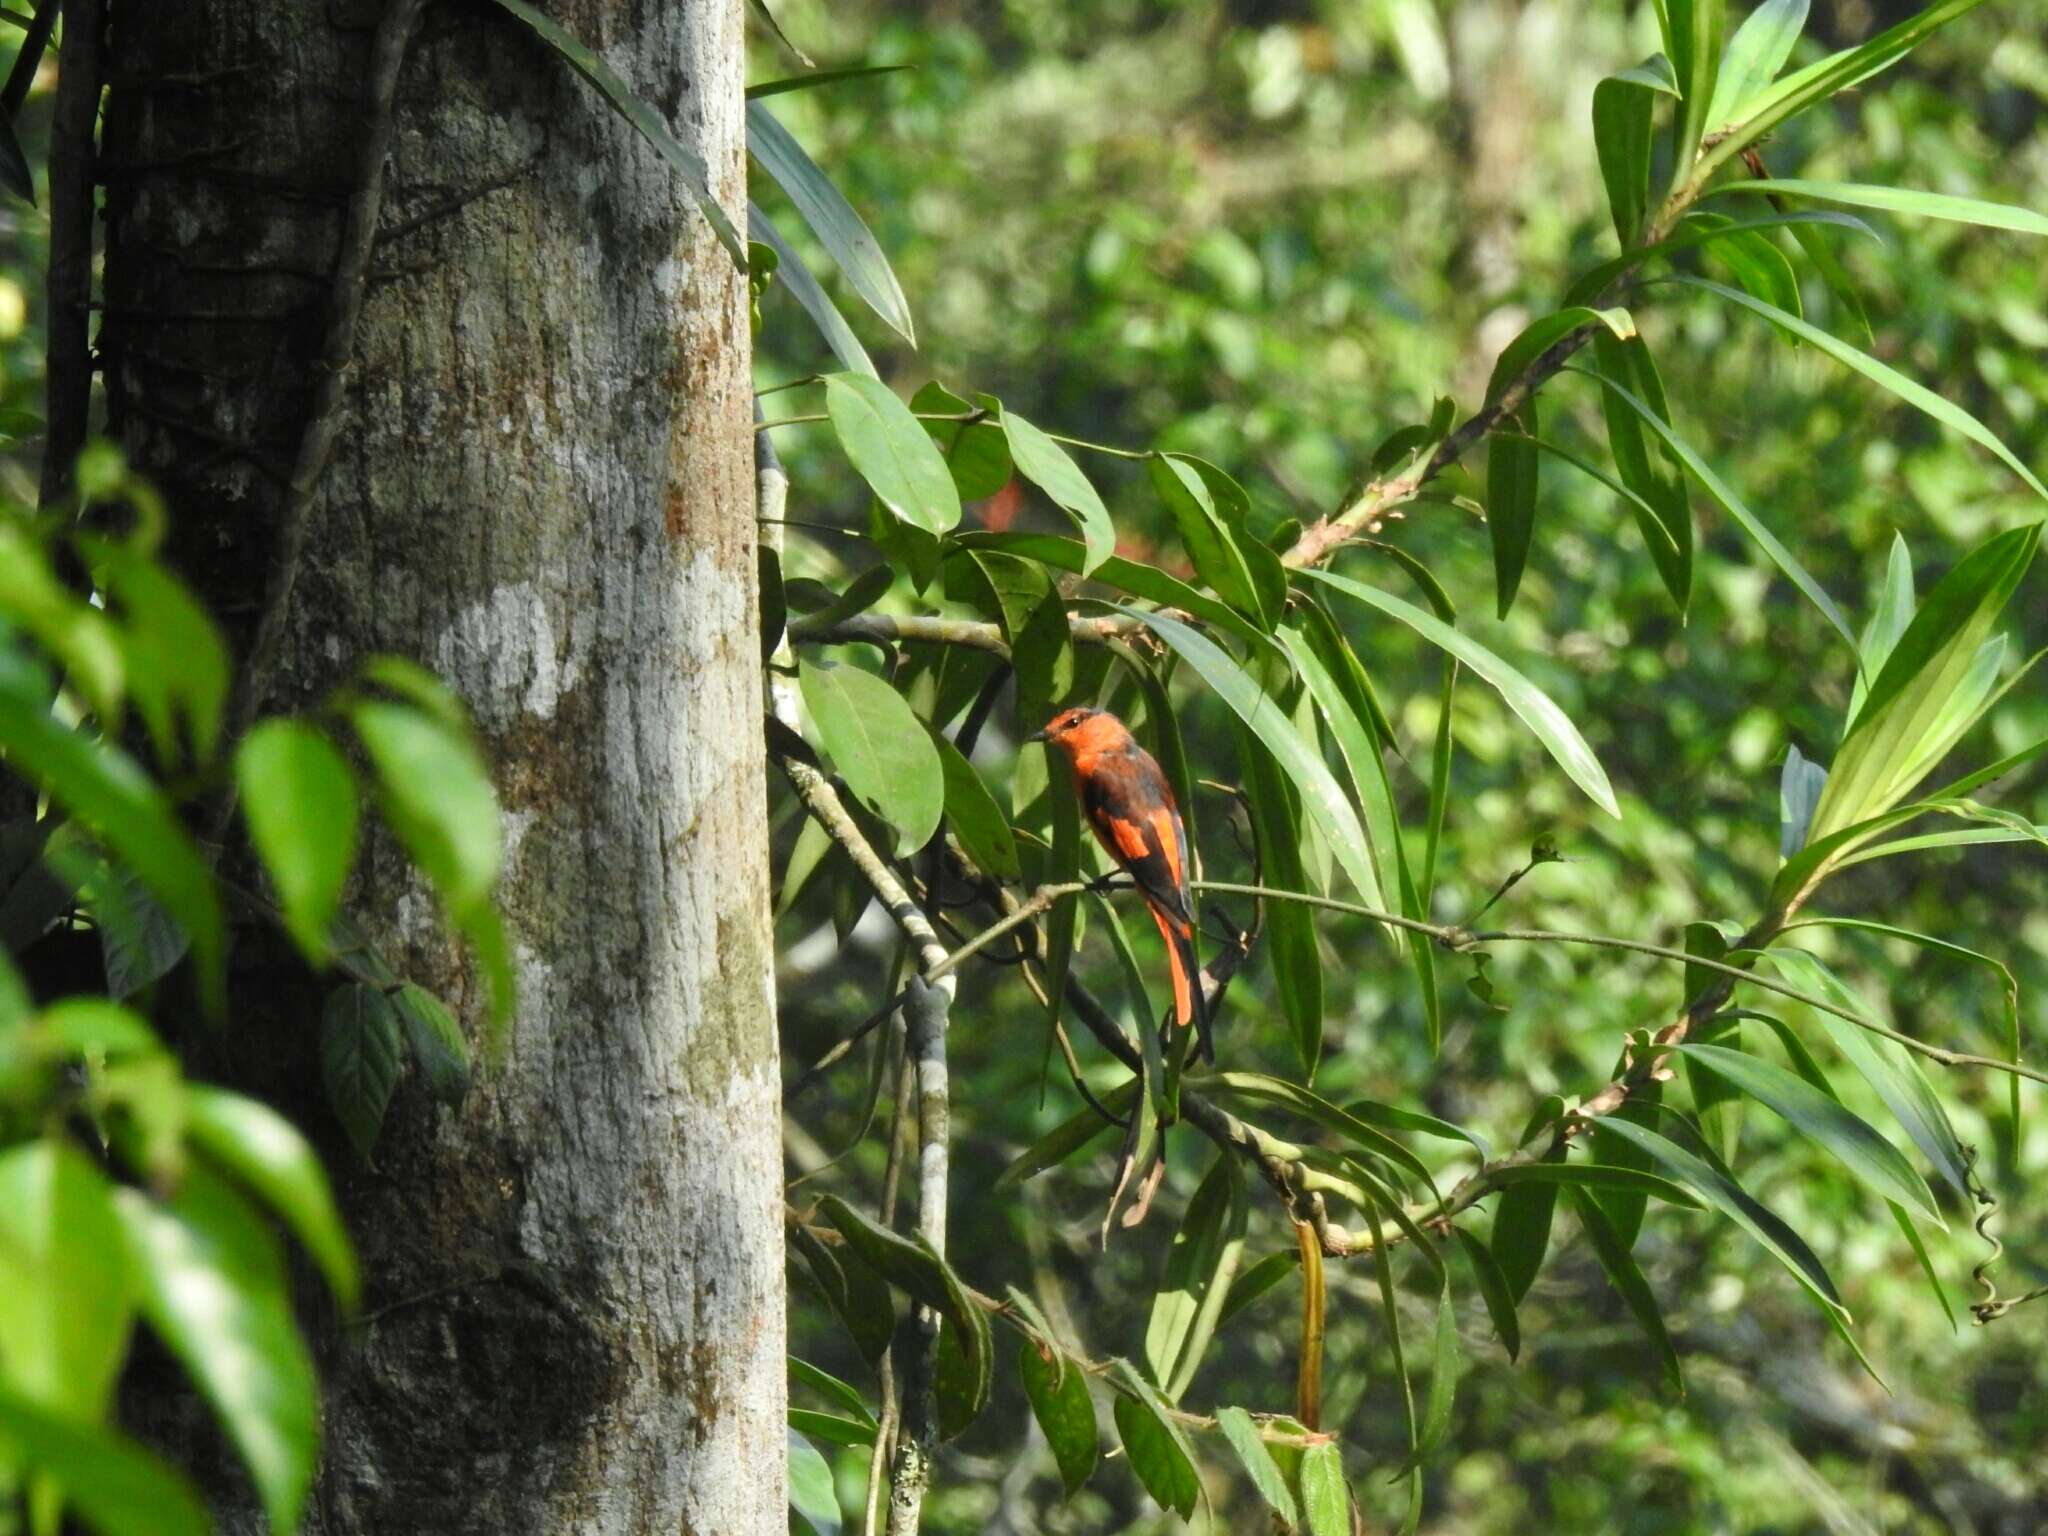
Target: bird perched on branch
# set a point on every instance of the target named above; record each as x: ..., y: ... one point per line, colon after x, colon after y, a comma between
x: 1130, y: 805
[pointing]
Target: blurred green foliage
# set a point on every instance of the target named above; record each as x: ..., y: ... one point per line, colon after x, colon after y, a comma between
x: 1271, y: 234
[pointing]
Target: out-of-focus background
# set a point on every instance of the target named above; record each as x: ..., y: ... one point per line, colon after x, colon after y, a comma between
x: 1271, y: 233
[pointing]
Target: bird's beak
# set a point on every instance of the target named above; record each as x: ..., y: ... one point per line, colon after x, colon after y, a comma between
x: 1038, y: 736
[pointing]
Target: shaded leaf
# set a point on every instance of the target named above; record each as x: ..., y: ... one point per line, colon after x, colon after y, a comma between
x: 299, y: 800
x: 1058, y: 1393
x: 878, y: 745
x: 1627, y: 1279
x: 359, y: 1058
x: 1200, y: 1265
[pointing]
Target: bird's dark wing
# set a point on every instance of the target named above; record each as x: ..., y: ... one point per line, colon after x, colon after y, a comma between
x: 1132, y: 812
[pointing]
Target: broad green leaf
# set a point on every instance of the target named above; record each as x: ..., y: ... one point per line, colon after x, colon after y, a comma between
x: 977, y: 452
x: 1882, y: 755
x: 1512, y: 470
x: 836, y: 1429
x: 963, y: 1372
x: 1732, y: 504
x: 1800, y: 784
x: 1058, y: 1393
x: 1290, y: 933
x: 116, y: 801
x: 1758, y: 265
x: 858, y: 1296
x: 139, y: 941
x: 832, y: 219
x: 811, y: 1493
x: 1494, y: 1290
x: 359, y: 1059
x: 1200, y: 1265
x: 1816, y: 1116
x: 1325, y: 1496
x: 1622, y: 108
x: 1756, y: 53
x: 1546, y: 332
x: 1258, y: 1463
x: 1154, y: 1445
x: 437, y: 1041
x: 1233, y: 510
x: 78, y: 637
x: 177, y: 663
x: 920, y: 1274
x: 1552, y: 727
x: 64, y: 1325
x: 1884, y: 1064
x: 1627, y: 1279
x: 804, y: 288
x: 1656, y: 489
x: 1256, y: 1281
x: 1795, y: 92
x: 1045, y: 464
x: 1917, y: 395
x: 974, y: 816
x: 1321, y: 798
x: 299, y: 799
x: 434, y: 790
x: 1216, y: 555
x: 113, y: 1485
x: 1728, y: 1197
x: 643, y: 119
x: 892, y: 451
x: 879, y: 746
x: 265, y: 1151
x: 213, y: 1285
x: 1521, y: 1222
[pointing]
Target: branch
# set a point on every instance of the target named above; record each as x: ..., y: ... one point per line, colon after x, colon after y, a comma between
x: 337, y: 350
x: 974, y: 634
x: 910, y: 1469
x: 67, y: 367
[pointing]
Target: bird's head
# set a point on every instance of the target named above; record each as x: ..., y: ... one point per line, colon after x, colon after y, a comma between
x: 1080, y: 731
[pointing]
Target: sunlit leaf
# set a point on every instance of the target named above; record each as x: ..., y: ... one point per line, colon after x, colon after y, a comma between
x: 892, y: 451
x: 879, y: 746
x: 1200, y: 1265
x: 299, y: 799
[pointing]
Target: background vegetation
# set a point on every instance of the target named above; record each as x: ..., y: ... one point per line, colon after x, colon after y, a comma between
x: 1270, y: 235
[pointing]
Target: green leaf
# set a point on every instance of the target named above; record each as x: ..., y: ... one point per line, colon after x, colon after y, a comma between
x: 1756, y: 53
x: 1321, y: 798
x: 1325, y: 1496
x: 821, y: 77
x: 1627, y: 1279
x: 1600, y: 1178
x: 64, y: 1327
x: 265, y: 1151
x: 963, y: 1372
x: 1141, y: 581
x: 139, y: 941
x: 834, y: 1428
x: 1255, y: 1282
x: 977, y: 452
x: 1290, y: 932
x: 299, y: 799
x: 1058, y: 1392
x: 1265, y: 1474
x: 1045, y: 464
x: 1622, y: 108
x: 892, y: 451
x: 1625, y: 1205
x: 920, y: 1274
x: 1917, y: 395
x: 1218, y: 558
x: 1154, y: 1445
x: 804, y: 288
x: 177, y: 663
x: 1898, y: 732
x: 832, y: 219
x: 213, y: 1286
x: 1693, y: 39
x: 1732, y: 504
x: 1728, y: 1197
x: 15, y: 173
x: 1816, y: 1116
x: 437, y: 1043
x: 115, y: 1486
x: 1795, y: 92
x: 1885, y: 1065
x: 1494, y: 1290
x: 1800, y: 785
x: 1932, y: 205
x: 974, y: 816
x: 433, y: 789
x: 879, y: 746
x: 1257, y: 1088
x: 1657, y: 491
x: 1701, y: 229
x: 359, y: 1057
x: 1758, y: 265
x: 858, y: 1296
x: 642, y: 118
x: 1521, y: 1223
x: 1546, y: 332
x: 1200, y: 1266
x: 1071, y: 1136
x: 116, y: 801
x: 1552, y: 727
x: 811, y: 1492
x: 1512, y: 468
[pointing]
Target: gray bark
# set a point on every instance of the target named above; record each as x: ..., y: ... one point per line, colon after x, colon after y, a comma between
x: 542, y: 489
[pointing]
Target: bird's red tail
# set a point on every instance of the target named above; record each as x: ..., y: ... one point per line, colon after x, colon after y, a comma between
x: 1186, y: 971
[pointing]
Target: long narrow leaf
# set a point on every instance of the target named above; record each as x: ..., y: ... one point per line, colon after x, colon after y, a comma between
x: 803, y: 287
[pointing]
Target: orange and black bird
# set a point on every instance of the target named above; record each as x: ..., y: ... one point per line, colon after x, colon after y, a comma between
x: 1130, y: 805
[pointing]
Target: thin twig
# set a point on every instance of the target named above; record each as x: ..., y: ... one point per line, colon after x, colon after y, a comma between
x: 330, y: 373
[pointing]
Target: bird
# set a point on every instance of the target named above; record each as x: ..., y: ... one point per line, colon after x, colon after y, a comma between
x: 1129, y: 803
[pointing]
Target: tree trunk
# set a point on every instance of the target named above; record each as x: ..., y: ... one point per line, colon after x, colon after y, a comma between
x: 542, y: 488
